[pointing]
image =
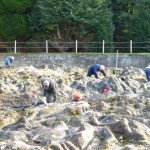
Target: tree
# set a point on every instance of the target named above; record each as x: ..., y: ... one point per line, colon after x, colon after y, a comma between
x: 12, y: 26
x: 13, y: 19
x: 139, y: 26
x: 132, y: 22
x: 85, y: 20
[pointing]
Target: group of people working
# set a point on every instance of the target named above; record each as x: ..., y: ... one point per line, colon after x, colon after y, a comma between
x: 49, y: 85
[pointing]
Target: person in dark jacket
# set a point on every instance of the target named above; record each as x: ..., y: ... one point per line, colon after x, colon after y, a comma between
x: 94, y: 69
x: 147, y: 72
x: 9, y: 61
x: 49, y: 89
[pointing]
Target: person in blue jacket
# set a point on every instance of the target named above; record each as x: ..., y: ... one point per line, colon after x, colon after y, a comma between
x: 147, y: 72
x: 94, y: 69
x: 9, y: 61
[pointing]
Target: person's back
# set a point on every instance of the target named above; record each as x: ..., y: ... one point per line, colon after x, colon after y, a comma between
x: 93, y: 70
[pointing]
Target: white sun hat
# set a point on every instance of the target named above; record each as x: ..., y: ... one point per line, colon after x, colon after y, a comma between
x: 102, y: 67
x: 12, y: 57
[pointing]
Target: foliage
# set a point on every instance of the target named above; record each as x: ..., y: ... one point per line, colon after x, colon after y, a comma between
x: 85, y: 20
x: 132, y: 22
x: 13, y: 20
x: 12, y: 26
x: 15, y: 6
x: 139, y: 26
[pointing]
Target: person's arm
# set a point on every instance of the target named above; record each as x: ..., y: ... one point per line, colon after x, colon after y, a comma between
x: 44, y: 93
x: 12, y: 63
x: 54, y: 94
x: 53, y: 89
x: 103, y: 72
x: 9, y: 63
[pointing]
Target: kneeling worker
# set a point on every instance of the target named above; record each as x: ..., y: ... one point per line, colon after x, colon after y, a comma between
x: 49, y: 89
x: 93, y: 70
x: 9, y: 61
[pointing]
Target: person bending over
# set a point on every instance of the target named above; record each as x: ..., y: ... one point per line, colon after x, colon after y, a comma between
x: 94, y: 69
x: 49, y: 87
x: 9, y: 61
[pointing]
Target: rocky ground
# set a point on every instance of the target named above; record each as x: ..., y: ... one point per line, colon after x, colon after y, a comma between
x: 115, y: 120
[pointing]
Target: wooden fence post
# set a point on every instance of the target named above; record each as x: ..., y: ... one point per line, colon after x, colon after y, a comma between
x: 15, y: 47
x: 130, y: 46
x: 116, y: 63
x: 103, y: 47
x: 46, y: 46
x: 76, y: 46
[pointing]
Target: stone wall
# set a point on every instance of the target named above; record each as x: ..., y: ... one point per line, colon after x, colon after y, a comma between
x: 81, y: 60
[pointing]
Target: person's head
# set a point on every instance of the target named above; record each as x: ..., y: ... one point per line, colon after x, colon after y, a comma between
x: 46, y: 84
x: 102, y: 67
x: 12, y: 58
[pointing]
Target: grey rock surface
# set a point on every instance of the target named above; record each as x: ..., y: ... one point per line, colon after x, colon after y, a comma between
x: 114, y: 120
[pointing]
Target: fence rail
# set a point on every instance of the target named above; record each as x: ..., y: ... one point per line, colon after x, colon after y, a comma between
x: 76, y: 47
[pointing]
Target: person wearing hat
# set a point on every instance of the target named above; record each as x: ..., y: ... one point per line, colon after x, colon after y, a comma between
x: 49, y: 89
x: 94, y: 69
x: 9, y: 61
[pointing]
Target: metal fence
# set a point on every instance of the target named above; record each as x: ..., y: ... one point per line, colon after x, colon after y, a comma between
x: 75, y: 47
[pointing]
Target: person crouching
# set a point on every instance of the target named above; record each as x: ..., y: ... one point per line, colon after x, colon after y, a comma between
x: 9, y: 61
x: 49, y: 87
